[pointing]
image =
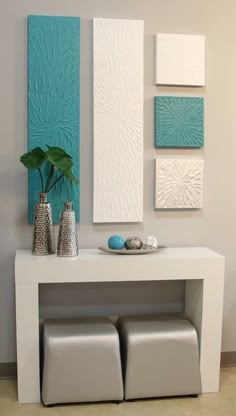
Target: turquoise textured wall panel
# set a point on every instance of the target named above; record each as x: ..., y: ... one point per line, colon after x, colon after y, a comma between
x: 179, y: 121
x: 53, y: 101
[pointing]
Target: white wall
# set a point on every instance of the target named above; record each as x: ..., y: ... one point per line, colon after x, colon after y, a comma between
x: 213, y: 226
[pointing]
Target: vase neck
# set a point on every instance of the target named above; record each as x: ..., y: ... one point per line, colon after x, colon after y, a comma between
x: 43, y: 197
x: 68, y: 206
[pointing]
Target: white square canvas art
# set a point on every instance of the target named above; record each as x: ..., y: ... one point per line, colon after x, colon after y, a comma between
x: 180, y: 60
x: 179, y: 183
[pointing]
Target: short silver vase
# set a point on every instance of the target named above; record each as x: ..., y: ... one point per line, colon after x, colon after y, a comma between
x: 43, y: 235
x: 67, y: 238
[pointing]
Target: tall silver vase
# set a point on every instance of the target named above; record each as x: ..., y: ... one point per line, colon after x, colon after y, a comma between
x: 43, y: 236
x: 67, y: 238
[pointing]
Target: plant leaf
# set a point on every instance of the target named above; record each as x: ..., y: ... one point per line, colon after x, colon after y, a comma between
x: 59, y: 158
x: 57, y: 152
x: 69, y: 175
x: 33, y: 159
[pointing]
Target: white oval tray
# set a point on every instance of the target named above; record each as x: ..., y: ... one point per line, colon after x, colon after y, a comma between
x: 130, y: 252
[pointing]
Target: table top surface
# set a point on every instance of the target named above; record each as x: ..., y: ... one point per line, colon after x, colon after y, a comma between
x: 95, y: 254
x: 91, y: 265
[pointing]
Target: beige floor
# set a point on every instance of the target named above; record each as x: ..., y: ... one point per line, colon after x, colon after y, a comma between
x: 220, y: 404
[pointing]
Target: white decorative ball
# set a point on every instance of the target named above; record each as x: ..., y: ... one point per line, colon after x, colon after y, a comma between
x: 150, y: 242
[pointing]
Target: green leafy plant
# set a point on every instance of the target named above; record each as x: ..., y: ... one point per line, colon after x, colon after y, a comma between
x: 57, y: 159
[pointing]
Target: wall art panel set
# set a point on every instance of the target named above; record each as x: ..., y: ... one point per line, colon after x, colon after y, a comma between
x: 179, y: 120
x: 54, y: 113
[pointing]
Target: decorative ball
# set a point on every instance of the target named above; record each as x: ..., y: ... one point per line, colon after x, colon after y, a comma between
x: 133, y: 243
x: 116, y: 242
x: 150, y: 242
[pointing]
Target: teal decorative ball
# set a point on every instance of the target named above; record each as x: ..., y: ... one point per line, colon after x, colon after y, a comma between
x: 116, y: 242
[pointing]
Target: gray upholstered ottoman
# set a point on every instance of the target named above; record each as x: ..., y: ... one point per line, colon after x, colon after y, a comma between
x: 81, y: 361
x: 160, y: 356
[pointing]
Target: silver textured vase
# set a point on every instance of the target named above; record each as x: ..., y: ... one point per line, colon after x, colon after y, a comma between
x: 67, y: 239
x: 43, y: 236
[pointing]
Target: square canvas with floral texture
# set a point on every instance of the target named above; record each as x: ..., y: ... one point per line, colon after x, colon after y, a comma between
x: 179, y: 183
x: 179, y: 121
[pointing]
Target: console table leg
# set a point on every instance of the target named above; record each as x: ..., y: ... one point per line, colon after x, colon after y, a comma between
x: 204, y: 307
x: 27, y: 331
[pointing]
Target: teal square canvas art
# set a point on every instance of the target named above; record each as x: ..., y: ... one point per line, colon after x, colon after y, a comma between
x: 53, y: 101
x: 179, y: 122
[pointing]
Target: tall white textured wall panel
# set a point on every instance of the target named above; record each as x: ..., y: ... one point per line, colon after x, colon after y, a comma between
x: 118, y: 120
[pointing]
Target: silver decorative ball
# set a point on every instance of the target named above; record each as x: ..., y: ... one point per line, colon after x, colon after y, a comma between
x: 133, y: 243
x: 150, y: 242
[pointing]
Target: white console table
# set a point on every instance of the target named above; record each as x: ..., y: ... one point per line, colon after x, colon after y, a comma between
x: 201, y: 268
